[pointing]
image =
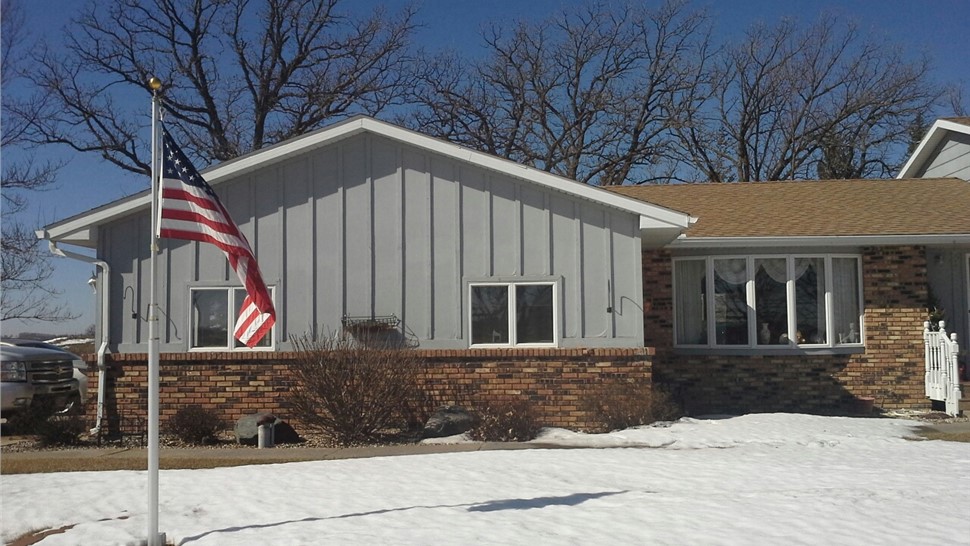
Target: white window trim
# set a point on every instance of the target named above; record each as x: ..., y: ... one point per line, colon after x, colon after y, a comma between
x: 510, y: 285
x: 230, y: 317
x: 752, y: 345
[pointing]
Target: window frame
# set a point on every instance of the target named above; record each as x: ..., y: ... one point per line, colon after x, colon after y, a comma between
x: 231, y: 292
x: 831, y: 335
x: 511, y: 311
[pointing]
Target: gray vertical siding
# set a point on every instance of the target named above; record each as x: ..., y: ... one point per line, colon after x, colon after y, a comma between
x: 368, y: 226
x: 951, y: 158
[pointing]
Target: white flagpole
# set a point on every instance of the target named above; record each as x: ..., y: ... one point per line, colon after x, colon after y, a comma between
x: 154, y: 538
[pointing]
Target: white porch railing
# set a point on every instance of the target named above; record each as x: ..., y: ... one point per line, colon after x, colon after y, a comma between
x: 942, y: 370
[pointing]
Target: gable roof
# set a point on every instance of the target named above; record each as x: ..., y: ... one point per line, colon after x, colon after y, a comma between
x: 79, y: 229
x: 924, y: 151
x: 827, y: 212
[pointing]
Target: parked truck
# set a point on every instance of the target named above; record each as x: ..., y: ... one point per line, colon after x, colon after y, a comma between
x: 35, y: 377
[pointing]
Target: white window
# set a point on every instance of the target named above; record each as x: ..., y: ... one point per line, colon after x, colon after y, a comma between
x: 212, y: 323
x: 768, y: 301
x: 513, y: 314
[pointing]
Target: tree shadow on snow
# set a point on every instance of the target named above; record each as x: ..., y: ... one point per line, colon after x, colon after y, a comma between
x: 487, y: 506
x: 539, y: 502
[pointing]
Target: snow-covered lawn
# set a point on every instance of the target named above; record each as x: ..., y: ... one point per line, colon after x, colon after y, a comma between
x: 756, y: 479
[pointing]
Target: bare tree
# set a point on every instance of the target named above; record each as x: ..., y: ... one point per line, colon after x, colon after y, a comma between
x: 24, y: 268
x: 239, y: 74
x: 787, y: 102
x: 587, y: 94
x: 954, y: 98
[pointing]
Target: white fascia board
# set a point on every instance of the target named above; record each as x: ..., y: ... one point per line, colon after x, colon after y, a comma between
x: 653, y: 214
x: 77, y: 229
x: 648, y: 211
x: 58, y: 231
x: 654, y: 223
x: 926, y: 146
x: 650, y: 215
x: 278, y: 152
x: 840, y: 240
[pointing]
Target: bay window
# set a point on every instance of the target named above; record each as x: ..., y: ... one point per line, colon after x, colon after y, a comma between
x: 212, y: 321
x: 767, y: 301
x: 513, y: 314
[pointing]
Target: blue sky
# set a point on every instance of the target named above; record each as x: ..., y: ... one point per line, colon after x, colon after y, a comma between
x: 937, y: 28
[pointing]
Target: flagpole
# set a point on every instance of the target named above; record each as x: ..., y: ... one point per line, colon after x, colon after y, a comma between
x: 154, y: 538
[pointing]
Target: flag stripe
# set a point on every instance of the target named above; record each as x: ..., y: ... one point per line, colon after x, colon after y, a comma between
x: 252, y: 324
x: 190, y: 221
x: 191, y: 210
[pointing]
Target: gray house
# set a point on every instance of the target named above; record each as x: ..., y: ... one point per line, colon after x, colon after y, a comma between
x: 367, y: 225
x: 515, y: 283
x: 945, y: 152
x: 509, y: 280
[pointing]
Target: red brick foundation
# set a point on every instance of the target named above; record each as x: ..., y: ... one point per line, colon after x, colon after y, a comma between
x: 890, y: 369
x: 236, y: 384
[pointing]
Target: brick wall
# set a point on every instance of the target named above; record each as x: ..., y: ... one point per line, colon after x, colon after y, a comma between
x: 236, y: 384
x: 889, y: 370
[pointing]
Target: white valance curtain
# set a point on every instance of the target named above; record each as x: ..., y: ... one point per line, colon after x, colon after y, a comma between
x: 777, y: 269
x: 735, y: 271
x: 732, y: 271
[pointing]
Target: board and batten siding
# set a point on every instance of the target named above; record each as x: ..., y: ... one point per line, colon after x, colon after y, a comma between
x: 951, y: 158
x: 369, y: 226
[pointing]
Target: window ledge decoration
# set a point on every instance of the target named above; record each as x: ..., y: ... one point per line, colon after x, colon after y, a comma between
x: 370, y: 324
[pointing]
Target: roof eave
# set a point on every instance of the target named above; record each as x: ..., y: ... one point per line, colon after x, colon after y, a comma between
x: 78, y: 229
x: 650, y: 215
x: 929, y: 143
x: 685, y: 242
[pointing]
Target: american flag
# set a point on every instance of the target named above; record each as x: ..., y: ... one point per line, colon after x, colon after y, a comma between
x: 191, y: 210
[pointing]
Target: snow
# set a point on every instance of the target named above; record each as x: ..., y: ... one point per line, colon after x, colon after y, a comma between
x: 764, y: 478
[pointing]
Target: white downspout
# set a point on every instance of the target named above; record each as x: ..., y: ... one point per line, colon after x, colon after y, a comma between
x: 105, y: 323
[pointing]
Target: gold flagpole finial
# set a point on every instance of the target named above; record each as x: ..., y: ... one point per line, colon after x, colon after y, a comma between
x: 154, y: 83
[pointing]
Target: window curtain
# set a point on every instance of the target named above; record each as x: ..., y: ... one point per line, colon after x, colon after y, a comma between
x: 731, y: 301
x: 777, y: 269
x: 845, y: 300
x: 771, y: 300
x: 810, y: 300
x: 690, y: 278
x: 732, y: 271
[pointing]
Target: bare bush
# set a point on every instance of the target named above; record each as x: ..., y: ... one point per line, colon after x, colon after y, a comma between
x: 508, y: 421
x: 60, y: 430
x: 354, y: 392
x: 620, y: 405
x: 50, y: 429
x: 196, y: 425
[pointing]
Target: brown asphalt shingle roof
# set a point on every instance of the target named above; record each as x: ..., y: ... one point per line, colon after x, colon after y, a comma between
x: 915, y: 206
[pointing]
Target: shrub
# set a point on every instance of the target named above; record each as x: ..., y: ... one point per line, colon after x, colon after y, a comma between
x: 25, y: 421
x: 620, y: 405
x: 195, y: 425
x: 355, y: 392
x: 427, y: 401
x: 51, y: 430
x: 511, y: 421
x: 60, y: 430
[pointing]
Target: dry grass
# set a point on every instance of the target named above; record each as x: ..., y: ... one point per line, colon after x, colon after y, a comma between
x: 17, y: 464
x: 946, y: 436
